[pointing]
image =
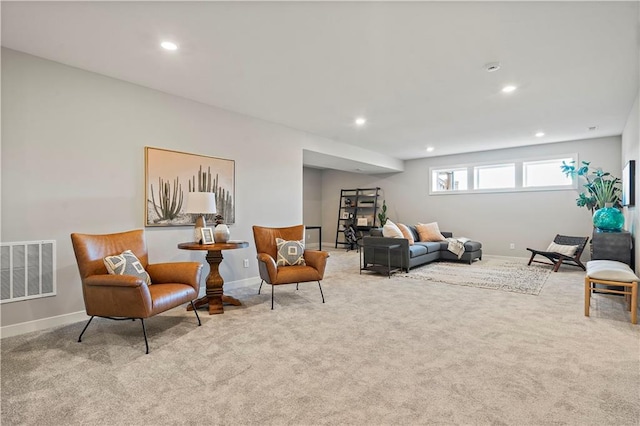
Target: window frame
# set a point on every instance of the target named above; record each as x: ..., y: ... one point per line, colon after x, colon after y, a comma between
x: 519, y: 175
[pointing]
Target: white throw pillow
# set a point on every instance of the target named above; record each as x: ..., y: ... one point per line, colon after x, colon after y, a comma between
x: 391, y: 230
x: 562, y: 249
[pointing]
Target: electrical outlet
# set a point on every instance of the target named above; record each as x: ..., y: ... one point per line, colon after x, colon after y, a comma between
x: 308, y: 236
x: 512, y: 246
x: 246, y: 263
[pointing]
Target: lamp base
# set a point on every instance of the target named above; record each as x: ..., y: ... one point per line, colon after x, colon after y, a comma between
x: 197, y: 231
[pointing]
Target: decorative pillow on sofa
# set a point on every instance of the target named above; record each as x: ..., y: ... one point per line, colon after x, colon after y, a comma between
x: 290, y: 253
x: 126, y: 263
x: 406, y: 232
x: 391, y: 230
x: 561, y: 249
x: 429, y: 232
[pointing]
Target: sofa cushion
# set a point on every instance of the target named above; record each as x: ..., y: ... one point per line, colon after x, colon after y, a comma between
x: 417, y: 250
x: 429, y: 231
x: 431, y: 246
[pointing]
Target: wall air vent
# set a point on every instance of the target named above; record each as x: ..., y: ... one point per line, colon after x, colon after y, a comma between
x: 27, y: 270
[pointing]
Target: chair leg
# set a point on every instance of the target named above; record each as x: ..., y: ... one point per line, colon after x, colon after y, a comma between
x: 85, y: 328
x: 196, y: 312
x: 272, y: 296
x: 321, y: 294
x: 144, y: 331
x: 531, y: 259
x: 557, y: 265
x: 297, y: 286
x: 261, y: 282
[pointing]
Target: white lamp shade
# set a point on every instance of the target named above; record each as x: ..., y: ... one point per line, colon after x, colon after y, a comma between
x: 201, y: 203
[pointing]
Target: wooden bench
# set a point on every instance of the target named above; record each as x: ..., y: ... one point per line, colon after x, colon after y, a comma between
x: 611, y: 273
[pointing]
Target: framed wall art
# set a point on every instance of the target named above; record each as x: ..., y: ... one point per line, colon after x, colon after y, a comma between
x: 170, y: 175
x: 629, y: 184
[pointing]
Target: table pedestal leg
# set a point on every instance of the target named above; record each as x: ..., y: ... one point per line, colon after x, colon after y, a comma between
x: 215, y: 297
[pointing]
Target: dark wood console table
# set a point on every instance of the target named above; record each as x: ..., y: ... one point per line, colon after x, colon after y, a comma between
x: 215, y: 296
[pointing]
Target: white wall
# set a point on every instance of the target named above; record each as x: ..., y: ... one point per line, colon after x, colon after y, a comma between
x: 73, y: 161
x: 528, y: 219
x: 631, y: 151
x: 312, y: 203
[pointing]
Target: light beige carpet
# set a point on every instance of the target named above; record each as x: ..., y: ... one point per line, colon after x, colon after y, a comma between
x: 380, y: 351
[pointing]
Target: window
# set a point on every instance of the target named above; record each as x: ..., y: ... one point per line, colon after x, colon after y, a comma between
x: 449, y: 180
x: 545, y: 173
x: 507, y: 175
x: 495, y: 176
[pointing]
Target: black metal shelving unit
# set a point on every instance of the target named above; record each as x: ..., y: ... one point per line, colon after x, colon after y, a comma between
x: 359, y: 207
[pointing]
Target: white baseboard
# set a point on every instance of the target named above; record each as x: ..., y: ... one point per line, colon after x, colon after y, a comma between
x: 41, y: 324
x: 44, y: 323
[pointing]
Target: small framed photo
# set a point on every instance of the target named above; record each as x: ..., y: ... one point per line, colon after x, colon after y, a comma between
x: 362, y: 221
x: 345, y: 215
x: 207, y: 235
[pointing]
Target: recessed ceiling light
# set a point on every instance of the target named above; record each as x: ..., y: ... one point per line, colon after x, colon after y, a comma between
x: 508, y: 89
x: 169, y: 45
x: 539, y: 134
x: 360, y: 121
x: 430, y: 149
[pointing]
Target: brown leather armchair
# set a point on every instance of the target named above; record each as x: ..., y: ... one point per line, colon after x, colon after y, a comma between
x: 121, y: 297
x: 265, y: 239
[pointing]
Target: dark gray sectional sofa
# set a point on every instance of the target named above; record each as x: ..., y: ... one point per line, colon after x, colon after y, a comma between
x: 421, y: 252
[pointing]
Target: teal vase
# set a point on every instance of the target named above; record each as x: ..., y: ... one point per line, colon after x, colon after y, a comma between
x: 608, y: 219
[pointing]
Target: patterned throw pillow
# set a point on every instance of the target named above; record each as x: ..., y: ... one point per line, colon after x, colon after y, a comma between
x: 290, y: 253
x: 429, y: 232
x: 126, y: 263
x: 406, y: 232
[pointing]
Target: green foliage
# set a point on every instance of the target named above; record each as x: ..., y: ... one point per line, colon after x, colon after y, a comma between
x: 382, y: 216
x: 601, y: 187
x: 169, y: 199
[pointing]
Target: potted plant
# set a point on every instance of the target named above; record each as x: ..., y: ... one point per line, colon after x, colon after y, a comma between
x: 382, y: 216
x: 602, y: 195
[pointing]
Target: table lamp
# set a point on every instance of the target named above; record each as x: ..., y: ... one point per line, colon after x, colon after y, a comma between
x: 200, y: 203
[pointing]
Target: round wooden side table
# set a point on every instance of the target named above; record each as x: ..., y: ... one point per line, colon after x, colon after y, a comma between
x: 215, y: 296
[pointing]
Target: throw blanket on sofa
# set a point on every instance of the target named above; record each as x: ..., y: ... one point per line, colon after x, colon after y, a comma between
x: 456, y: 246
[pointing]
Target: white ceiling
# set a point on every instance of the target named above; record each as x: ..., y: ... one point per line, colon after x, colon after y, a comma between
x: 414, y: 69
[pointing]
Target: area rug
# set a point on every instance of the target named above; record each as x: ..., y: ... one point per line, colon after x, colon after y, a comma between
x: 496, y: 273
